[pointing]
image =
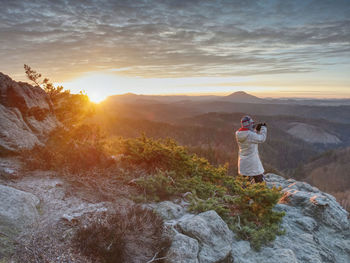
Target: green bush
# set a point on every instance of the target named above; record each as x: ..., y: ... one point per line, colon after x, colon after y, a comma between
x: 172, y: 172
x: 166, y: 155
x: 157, y: 187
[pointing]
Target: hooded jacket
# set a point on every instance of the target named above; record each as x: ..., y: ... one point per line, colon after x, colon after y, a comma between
x: 249, y: 163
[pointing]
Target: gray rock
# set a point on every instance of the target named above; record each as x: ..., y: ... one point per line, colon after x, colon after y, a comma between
x: 14, y: 132
x: 241, y: 253
x: 183, y: 250
x: 17, y: 213
x: 317, y: 227
x: 316, y: 204
x: 75, y: 214
x: 17, y: 209
x: 306, y: 223
x: 168, y: 210
x: 26, y: 115
x: 212, y: 233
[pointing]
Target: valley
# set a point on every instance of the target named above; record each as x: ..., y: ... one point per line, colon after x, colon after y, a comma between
x: 297, y: 133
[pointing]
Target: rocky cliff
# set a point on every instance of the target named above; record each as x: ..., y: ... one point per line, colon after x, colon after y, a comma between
x: 26, y: 115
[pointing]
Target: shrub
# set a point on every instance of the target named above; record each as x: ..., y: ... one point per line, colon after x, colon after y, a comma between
x: 158, y: 186
x: 172, y: 171
x: 77, y: 149
x: 166, y: 155
x: 135, y: 235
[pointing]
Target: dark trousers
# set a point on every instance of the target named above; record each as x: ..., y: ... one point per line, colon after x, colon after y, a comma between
x: 256, y: 178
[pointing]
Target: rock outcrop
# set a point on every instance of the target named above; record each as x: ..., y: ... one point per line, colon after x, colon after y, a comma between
x: 18, y: 212
x: 317, y: 230
x: 26, y: 115
x: 212, y: 233
x: 17, y: 209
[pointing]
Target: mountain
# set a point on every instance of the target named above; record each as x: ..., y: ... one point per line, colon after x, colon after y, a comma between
x: 243, y: 97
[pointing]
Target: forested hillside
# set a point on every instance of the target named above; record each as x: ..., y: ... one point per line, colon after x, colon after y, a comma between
x: 331, y: 173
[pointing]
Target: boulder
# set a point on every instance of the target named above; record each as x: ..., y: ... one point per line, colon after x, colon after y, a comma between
x: 212, y: 233
x: 169, y: 210
x: 17, y: 209
x: 26, y: 115
x: 183, y: 250
x: 18, y: 212
x: 242, y: 253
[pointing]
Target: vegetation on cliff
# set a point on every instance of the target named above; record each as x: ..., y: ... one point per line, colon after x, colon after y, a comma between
x: 173, y: 172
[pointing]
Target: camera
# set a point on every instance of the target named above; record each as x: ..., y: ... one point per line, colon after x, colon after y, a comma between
x: 258, y: 126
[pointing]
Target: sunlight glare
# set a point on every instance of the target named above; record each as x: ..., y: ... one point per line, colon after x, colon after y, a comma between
x: 99, y: 85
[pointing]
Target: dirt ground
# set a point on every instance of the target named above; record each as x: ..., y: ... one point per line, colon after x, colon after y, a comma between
x: 64, y: 202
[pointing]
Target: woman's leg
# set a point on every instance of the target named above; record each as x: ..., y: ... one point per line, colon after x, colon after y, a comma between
x: 258, y: 178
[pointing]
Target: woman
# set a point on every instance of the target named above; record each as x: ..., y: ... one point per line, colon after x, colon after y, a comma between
x: 248, y: 138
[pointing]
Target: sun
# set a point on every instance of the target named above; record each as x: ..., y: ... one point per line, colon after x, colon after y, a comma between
x: 97, y: 97
x: 98, y: 86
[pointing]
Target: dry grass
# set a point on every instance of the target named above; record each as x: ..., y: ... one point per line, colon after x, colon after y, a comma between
x: 133, y: 235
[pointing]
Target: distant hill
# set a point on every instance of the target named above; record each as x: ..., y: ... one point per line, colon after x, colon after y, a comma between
x: 132, y: 98
x: 331, y: 168
x: 330, y: 113
x: 243, y: 97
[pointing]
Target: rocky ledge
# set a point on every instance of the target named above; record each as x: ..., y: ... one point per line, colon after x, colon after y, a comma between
x: 317, y: 231
x: 317, y: 227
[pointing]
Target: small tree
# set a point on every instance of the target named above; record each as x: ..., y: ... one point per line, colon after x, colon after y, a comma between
x: 53, y: 92
x: 32, y: 74
x: 70, y: 109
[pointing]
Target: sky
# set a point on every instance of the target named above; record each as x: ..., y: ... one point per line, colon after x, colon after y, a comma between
x: 267, y: 48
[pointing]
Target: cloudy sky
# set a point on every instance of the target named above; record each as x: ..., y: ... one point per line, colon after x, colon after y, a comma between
x: 281, y: 48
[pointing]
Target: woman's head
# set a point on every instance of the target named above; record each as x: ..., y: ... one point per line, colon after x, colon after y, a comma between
x: 247, y: 122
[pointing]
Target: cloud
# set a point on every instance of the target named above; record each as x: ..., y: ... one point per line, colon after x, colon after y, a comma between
x: 173, y: 38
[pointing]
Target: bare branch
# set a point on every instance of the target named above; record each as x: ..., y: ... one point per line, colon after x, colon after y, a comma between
x: 154, y: 259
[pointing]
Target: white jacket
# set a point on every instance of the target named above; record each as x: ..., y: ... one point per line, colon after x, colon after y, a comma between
x: 249, y: 162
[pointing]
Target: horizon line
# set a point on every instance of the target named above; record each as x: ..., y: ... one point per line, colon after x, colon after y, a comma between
x: 224, y: 94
